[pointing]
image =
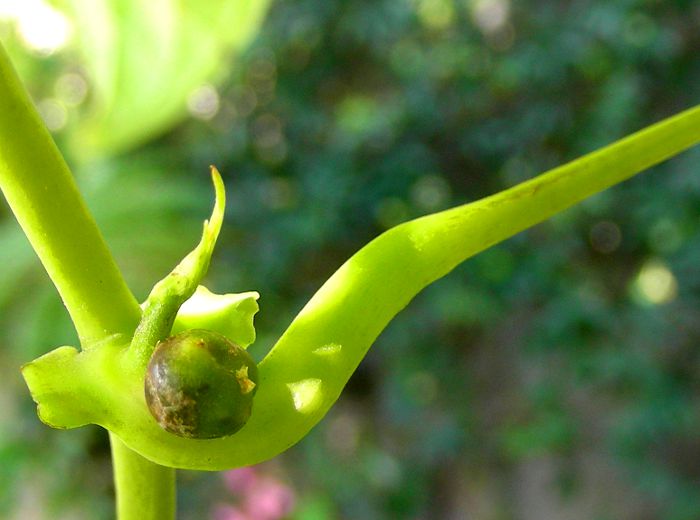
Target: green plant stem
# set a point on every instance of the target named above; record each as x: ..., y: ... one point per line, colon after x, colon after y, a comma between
x: 168, y: 295
x: 145, y: 490
x: 45, y: 200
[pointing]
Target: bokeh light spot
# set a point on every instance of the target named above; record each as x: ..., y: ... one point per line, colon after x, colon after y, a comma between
x: 42, y: 28
x: 383, y: 470
x: 71, y: 89
x: 245, y: 101
x: 430, y: 193
x: 267, y: 130
x: 358, y: 114
x: 436, y: 14
x: 268, y: 139
x: 53, y: 113
x: 490, y: 16
x: 203, y: 102
x: 655, y: 283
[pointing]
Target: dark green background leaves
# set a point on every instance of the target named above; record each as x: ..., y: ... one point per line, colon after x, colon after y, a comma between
x: 553, y: 376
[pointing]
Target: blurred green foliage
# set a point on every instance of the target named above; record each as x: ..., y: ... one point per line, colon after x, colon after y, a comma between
x: 556, y: 375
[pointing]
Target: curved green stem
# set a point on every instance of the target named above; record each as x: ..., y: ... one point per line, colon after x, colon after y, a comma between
x: 305, y: 372
x: 45, y: 200
x: 166, y: 297
x: 145, y: 491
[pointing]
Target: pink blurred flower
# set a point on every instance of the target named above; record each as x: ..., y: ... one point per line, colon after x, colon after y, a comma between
x: 228, y: 512
x: 269, y: 499
x: 259, y: 497
x: 240, y: 480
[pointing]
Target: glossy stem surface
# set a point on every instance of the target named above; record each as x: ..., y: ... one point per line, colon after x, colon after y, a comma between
x: 43, y: 196
x: 145, y: 490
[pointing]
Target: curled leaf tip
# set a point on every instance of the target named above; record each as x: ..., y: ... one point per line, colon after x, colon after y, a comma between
x: 166, y: 297
x: 213, y: 225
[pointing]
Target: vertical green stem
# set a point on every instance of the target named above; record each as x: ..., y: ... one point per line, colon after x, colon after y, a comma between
x: 145, y: 490
x: 45, y: 200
